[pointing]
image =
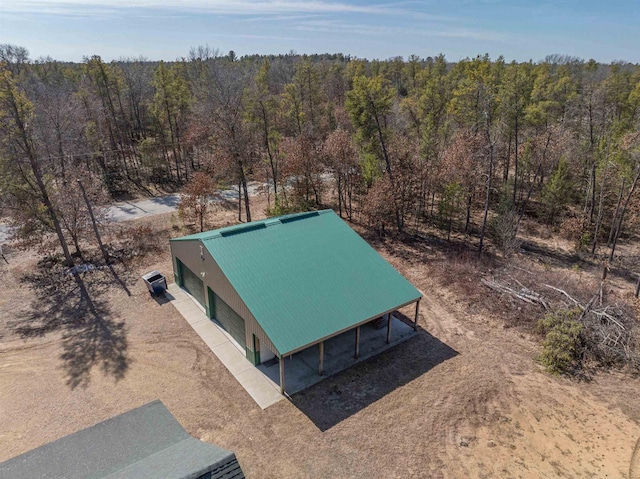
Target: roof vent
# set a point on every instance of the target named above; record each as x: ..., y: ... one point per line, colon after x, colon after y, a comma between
x: 272, y: 221
x: 242, y: 229
x: 299, y: 216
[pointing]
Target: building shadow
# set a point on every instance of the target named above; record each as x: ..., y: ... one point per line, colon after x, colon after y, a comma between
x: 339, y: 397
x: 77, y: 308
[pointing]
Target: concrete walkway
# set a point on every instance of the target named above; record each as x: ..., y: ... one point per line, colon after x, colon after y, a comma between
x: 263, y: 391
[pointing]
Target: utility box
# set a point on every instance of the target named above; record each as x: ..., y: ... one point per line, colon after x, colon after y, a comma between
x: 156, y: 283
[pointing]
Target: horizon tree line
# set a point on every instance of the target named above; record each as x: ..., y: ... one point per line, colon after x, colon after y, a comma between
x: 470, y: 147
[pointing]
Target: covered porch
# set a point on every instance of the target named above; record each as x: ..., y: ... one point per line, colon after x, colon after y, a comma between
x: 301, y: 369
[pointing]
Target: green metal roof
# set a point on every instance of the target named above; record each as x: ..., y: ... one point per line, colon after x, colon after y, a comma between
x: 306, y: 276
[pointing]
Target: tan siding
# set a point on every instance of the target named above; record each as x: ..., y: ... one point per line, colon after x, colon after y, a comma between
x: 252, y: 327
x: 189, y: 253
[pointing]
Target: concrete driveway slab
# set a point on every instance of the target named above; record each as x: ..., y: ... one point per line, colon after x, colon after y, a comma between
x: 232, y: 358
x: 263, y: 391
x: 212, y: 337
x: 252, y: 381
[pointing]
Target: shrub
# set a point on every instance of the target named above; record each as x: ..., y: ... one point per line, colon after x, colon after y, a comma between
x: 561, y: 347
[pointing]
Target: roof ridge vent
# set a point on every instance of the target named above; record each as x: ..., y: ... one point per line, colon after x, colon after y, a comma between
x: 242, y: 229
x: 298, y: 216
x: 272, y: 221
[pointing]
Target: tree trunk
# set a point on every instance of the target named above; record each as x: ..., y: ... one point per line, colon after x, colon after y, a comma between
x: 267, y: 145
x: 486, y: 201
x: 593, y: 189
x: 505, y: 174
x: 467, y: 220
x: 243, y: 184
x: 622, y: 212
x: 592, y: 178
x: 266, y: 173
x: 35, y: 168
x: 350, y: 198
x: 339, y: 195
x: 105, y: 253
x: 239, y: 201
x: 615, y: 214
x: 515, y: 164
x: 596, y: 230
x: 387, y: 161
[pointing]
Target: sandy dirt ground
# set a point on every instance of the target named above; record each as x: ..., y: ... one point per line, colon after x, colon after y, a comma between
x: 462, y: 399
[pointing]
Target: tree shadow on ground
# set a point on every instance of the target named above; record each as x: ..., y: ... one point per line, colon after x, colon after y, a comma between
x: 170, y: 200
x: 339, y: 397
x: 554, y: 257
x: 415, y: 246
x: 92, y: 335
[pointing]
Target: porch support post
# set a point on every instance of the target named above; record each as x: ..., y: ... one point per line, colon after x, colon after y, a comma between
x: 321, y: 358
x: 389, y: 328
x: 281, y: 374
x: 415, y: 322
x: 357, y: 355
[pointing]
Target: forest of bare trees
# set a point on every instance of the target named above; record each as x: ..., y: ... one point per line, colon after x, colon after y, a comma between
x: 470, y: 147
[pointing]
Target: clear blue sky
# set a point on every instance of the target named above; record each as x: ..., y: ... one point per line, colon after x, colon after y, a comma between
x: 156, y: 29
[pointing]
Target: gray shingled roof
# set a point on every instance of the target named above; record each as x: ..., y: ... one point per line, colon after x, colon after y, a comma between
x: 141, y: 443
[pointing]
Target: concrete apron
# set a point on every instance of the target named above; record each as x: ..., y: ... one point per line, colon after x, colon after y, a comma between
x: 262, y: 383
x: 261, y: 389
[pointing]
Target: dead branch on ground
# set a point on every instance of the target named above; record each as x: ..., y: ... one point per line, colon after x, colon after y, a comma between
x: 524, y: 294
x: 609, y: 334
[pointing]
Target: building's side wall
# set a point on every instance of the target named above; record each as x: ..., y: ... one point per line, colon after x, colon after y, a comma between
x: 189, y: 253
x: 253, y: 328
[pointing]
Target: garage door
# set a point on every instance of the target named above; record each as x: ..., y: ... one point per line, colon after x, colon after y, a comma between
x: 227, y: 317
x: 192, y: 283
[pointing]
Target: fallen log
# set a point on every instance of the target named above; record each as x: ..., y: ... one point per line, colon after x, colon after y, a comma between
x: 524, y: 294
x: 562, y: 291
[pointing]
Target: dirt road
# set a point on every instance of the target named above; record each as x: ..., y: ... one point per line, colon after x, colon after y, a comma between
x: 125, y: 211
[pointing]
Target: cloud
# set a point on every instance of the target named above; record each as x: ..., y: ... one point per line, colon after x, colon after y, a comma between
x: 223, y: 7
x: 425, y: 30
x: 277, y: 18
x: 251, y: 36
